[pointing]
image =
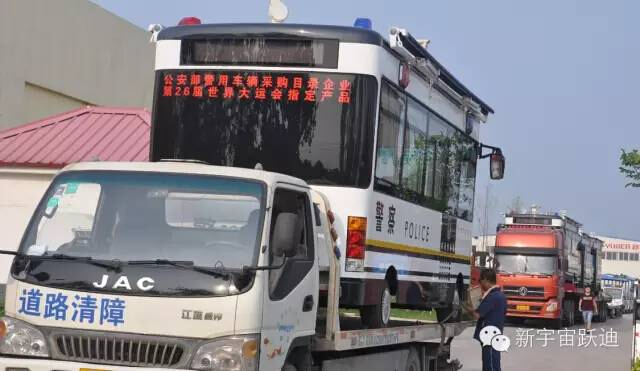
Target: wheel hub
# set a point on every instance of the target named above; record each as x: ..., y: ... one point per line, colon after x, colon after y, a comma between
x: 386, y: 306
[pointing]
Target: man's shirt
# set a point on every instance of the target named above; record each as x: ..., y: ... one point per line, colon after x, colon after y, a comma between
x: 492, y: 310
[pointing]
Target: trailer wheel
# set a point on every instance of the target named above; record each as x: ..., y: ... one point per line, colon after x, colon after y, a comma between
x: 413, y: 361
x: 378, y: 316
x: 568, y: 313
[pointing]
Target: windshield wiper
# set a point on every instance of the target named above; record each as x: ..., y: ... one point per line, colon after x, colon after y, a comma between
x: 88, y: 259
x: 187, y: 265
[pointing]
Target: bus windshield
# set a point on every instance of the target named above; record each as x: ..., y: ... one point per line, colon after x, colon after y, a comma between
x: 313, y: 125
x: 613, y: 292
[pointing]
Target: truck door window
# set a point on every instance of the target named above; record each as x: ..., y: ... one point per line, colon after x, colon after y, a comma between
x: 284, y: 280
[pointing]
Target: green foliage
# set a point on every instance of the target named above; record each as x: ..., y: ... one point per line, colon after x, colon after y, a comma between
x: 630, y: 167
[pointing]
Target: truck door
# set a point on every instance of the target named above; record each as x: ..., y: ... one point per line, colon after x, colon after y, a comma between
x: 291, y: 297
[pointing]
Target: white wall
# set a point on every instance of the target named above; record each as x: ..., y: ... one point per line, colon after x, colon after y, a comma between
x: 20, y: 191
x: 618, y: 266
x: 65, y: 54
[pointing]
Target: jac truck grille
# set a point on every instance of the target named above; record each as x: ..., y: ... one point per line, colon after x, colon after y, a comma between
x: 119, y: 349
x: 519, y: 291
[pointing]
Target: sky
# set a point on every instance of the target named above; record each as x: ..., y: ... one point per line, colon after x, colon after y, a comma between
x: 562, y: 77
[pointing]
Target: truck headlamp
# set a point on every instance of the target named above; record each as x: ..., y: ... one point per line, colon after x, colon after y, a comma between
x: 20, y: 338
x: 227, y: 354
x: 551, y: 306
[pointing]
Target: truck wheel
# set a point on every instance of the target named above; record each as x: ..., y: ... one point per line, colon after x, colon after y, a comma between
x: 413, y: 361
x: 378, y: 316
x: 569, y: 313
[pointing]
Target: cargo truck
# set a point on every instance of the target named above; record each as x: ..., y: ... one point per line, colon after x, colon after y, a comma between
x: 544, y: 262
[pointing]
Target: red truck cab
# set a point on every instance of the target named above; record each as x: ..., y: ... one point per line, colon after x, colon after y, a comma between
x: 543, y: 262
x: 528, y: 273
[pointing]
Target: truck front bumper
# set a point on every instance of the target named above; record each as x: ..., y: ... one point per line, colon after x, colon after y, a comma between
x: 34, y: 364
x: 531, y: 309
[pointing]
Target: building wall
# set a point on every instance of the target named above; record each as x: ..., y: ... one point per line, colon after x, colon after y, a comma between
x: 621, y: 256
x: 20, y: 191
x: 59, y: 55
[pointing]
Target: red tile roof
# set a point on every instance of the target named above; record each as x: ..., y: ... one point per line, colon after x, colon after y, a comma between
x: 90, y: 133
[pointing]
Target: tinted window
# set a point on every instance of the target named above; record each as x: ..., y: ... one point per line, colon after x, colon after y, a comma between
x: 414, y: 148
x: 315, y: 126
x: 423, y: 159
x: 389, y: 146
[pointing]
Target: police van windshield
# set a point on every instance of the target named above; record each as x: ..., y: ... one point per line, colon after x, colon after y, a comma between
x: 131, y: 216
x: 313, y: 125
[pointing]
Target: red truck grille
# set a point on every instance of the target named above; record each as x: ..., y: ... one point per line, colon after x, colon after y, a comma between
x: 523, y: 291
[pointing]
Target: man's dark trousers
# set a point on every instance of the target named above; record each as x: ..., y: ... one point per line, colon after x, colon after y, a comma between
x: 491, y: 359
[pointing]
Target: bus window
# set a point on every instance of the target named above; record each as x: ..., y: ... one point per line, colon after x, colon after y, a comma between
x: 414, y: 148
x: 438, y: 148
x: 390, y: 137
x: 467, y: 174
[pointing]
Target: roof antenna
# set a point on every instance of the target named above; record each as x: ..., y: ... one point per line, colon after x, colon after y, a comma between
x: 258, y: 166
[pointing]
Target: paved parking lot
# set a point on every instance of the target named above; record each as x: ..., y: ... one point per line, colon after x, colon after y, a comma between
x: 609, y: 349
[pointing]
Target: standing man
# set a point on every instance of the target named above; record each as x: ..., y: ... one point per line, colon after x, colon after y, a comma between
x: 588, y: 306
x: 491, y: 312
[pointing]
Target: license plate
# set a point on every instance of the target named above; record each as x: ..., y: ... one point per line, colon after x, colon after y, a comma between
x: 522, y: 307
x: 92, y: 369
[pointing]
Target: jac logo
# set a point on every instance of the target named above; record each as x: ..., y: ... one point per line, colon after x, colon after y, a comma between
x: 144, y: 283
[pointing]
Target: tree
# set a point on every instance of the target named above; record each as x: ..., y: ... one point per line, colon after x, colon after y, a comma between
x: 630, y: 167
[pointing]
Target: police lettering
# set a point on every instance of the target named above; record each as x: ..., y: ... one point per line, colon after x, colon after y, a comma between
x: 417, y: 231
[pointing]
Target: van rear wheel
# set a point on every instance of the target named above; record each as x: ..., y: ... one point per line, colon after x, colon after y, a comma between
x: 378, y: 316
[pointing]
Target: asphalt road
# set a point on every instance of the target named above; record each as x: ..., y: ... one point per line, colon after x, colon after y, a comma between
x: 562, y: 351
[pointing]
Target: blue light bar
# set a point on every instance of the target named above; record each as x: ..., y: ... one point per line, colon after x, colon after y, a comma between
x: 365, y: 23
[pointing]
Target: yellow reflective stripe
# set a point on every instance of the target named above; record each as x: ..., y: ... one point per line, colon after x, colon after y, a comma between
x: 414, y: 249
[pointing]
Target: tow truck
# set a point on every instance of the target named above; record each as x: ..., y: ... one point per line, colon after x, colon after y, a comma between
x: 87, y: 291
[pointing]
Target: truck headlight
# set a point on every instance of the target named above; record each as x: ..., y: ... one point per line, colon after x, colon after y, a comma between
x: 227, y: 354
x: 551, y: 306
x: 20, y: 338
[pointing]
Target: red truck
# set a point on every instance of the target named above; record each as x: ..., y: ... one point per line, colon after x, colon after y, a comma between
x: 544, y: 262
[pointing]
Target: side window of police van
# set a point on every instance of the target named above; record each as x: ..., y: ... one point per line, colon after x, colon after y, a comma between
x: 295, y: 208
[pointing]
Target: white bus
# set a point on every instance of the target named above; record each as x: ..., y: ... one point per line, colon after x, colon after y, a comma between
x: 376, y: 124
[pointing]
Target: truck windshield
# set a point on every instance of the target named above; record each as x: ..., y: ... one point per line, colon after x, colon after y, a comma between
x: 132, y: 216
x: 613, y: 292
x: 524, y: 264
x: 312, y: 125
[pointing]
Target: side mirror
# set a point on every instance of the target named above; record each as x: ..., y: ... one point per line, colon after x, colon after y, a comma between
x: 286, y: 235
x: 497, y: 165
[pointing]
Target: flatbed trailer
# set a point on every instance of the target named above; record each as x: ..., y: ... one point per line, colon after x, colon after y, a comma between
x: 341, y: 343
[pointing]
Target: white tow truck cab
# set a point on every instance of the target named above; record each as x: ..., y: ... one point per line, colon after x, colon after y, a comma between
x: 189, y: 266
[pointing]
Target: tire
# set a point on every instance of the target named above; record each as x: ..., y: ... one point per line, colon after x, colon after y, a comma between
x: 413, y: 361
x: 569, y: 313
x: 451, y: 313
x: 378, y: 316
